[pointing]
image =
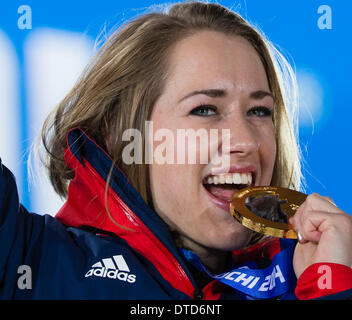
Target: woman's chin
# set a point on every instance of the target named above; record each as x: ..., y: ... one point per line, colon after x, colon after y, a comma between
x: 229, y: 239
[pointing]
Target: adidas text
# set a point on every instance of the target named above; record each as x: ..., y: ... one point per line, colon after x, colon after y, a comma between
x: 113, y: 268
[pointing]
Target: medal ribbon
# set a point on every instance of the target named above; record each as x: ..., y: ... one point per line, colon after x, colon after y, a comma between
x: 266, y: 283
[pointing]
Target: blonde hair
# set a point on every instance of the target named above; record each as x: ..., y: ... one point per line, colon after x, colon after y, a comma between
x: 121, y: 84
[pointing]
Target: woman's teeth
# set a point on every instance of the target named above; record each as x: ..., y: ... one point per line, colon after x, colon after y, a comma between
x: 230, y: 178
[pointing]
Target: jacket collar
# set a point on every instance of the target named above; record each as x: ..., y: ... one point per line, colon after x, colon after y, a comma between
x: 130, y: 217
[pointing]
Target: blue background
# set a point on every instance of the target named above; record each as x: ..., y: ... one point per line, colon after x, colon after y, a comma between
x: 324, y: 54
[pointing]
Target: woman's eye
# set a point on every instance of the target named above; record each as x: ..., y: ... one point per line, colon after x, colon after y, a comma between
x: 204, y: 111
x: 260, y: 112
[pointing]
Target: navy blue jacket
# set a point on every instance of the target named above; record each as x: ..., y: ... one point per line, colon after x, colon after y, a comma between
x: 82, y: 253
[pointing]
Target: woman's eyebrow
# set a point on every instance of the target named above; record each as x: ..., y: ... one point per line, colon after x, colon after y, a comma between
x: 213, y: 93
x: 219, y: 93
x: 260, y: 94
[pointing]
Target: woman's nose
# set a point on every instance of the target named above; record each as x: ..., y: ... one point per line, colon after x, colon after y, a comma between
x: 241, y: 138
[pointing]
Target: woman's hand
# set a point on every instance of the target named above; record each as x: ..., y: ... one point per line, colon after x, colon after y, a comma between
x: 326, y: 234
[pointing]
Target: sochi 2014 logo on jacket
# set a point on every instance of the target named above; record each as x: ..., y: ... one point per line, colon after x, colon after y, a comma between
x: 113, y: 268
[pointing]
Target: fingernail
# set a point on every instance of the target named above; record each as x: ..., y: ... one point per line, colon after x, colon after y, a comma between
x: 299, y: 236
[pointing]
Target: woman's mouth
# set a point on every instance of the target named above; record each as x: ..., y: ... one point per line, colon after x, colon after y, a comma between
x: 221, y: 187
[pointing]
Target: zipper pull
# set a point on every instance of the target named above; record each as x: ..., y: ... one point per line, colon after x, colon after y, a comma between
x: 198, y: 294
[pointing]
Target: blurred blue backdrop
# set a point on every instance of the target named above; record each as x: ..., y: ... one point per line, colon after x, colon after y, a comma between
x: 40, y: 64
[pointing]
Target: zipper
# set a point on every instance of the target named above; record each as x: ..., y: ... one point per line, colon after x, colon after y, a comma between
x: 198, y: 294
x: 181, y: 272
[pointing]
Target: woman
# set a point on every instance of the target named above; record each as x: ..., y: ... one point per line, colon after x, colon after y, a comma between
x: 156, y: 225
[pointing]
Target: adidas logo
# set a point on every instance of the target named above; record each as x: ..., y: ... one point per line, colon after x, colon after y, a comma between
x: 113, y: 268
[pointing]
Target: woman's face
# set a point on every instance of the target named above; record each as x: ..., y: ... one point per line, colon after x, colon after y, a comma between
x: 215, y: 82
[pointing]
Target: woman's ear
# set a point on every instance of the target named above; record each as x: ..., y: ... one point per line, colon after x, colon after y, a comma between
x: 107, y: 143
x: 108, y: 137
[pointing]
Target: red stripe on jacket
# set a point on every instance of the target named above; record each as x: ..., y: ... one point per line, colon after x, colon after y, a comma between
x: 322, y: 279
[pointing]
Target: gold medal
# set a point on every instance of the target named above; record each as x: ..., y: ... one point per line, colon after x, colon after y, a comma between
x: 267, y: 209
